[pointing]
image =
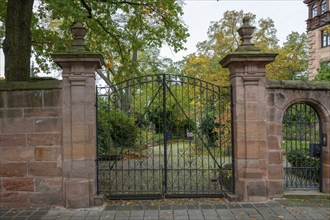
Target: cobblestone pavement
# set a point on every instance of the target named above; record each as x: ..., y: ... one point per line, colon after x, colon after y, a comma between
x: 192, y: 209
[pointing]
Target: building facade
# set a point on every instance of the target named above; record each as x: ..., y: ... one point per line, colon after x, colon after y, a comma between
x: 318, y: 28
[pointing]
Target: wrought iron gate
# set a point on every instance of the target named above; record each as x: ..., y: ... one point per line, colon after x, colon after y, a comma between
x: 164, y: 135
x: 302, y: 147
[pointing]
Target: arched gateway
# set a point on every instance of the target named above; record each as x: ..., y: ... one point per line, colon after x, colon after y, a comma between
x: 302, y: 147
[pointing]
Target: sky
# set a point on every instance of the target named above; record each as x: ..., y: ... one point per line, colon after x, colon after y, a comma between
x: 288, y: 16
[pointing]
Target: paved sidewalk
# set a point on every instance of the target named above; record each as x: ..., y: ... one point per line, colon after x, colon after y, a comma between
x: 190, y: 209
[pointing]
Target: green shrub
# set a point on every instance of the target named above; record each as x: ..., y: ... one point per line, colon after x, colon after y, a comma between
x: 115, y: 129
x: 226, y: 176
x: 300, y: 159
x: 208, y: 126
x: 123, y: 131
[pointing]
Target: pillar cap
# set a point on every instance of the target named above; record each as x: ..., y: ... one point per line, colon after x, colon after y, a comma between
x: 85, y: 57
x: 243, y: 56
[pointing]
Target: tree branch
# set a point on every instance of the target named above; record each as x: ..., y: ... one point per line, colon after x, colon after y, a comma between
x: 90, y: 16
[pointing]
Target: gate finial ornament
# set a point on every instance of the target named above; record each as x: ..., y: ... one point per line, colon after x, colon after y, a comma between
x: 245, y: 32
x: 78, y: 33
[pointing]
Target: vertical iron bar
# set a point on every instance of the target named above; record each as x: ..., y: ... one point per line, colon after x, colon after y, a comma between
x: 202, y: 106
x: 321, y: 152
x: 232, y: 138
x: 165, y: 135
x: 97, y: 141
x: 195, y: 101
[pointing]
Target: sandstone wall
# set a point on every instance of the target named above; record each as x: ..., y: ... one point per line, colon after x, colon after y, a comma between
x: 281, y: 95
x: 31, y: 145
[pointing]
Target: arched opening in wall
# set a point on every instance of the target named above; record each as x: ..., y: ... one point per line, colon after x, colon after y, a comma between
x: 302, y: 150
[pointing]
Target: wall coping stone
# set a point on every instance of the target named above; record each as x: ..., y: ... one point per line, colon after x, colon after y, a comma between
x: 298, y: 85
x: 30, y: 85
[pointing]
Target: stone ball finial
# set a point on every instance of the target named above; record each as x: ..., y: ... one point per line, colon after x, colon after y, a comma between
x: 246, y: 32
x: 78, y: 33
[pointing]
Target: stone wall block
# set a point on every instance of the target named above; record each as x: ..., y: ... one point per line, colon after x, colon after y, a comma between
x: 79, y: 151
x: 262, y: 146
x: 18, y: 184
x: 90, y: 151
x: 276, y: 188
x: 251, y: 93
x: 76, y: 193
x: 270, y: 99
x: 44, y: 139
x: 90, y: 115
x: 258, y: 188
x: 252, y: 111
x: 46, y: 199
x: 274, y: 142
x: 49, y: 184
x: 11, y: 113
x: 47, y: 153
x: 17, y: 125
x: 3, y: 99
x: 240, y: 129
x: 239, y: 111
x: 326, y: 186
x: 271, y: 114
x: 17, y: 154
x: 275, y: 157
x: 18, y: 99
x: 42, y: 112
x: 51, y: 98
x: 262, y: 130
x: 12, y: 140
x: 326, y: 171
x: 325, y: 156
x: 47, y: 125
x: 79, y: 133
x: 91, y: 167
x: 253, y: 164
x: 274, y: 129
x: 13, y: 169
x: 324, y: 100
x: 46, y: 169
x: 280, y: 100
x: 17, y: 199
x: 240, y: 149
x: 252, y: 149
x: 275, y: 172
x: 252, y: 130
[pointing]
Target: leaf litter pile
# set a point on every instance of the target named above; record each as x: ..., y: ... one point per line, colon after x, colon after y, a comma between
x: 166, y: 202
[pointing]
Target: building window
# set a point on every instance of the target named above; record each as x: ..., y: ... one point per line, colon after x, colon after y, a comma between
x: 314, y: 11
x: 323, y: 6
x: 325, y: 39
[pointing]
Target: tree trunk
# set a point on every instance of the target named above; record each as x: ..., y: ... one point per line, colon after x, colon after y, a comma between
x: 17, y: 43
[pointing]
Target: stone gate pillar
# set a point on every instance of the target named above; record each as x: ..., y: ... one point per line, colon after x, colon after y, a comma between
x: 247, y: 77
x: 79, y: 122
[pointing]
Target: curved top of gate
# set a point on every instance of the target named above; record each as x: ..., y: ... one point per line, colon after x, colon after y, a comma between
x: 169, y: 78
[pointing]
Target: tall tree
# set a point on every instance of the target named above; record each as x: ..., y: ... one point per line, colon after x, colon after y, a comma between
x: 292, y: 60
x: 17, y: 43
x: 223, y: 39
x: 117, y: 29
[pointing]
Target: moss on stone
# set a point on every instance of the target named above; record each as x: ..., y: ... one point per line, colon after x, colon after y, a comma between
x: 298, y: 84
x: 30, y: 85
